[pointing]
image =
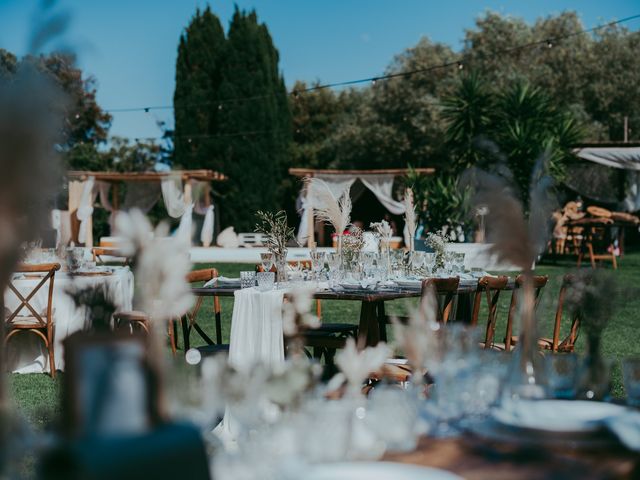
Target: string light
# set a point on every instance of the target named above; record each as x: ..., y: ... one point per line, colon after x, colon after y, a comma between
x: 549, y: 42
x: 146, y: 110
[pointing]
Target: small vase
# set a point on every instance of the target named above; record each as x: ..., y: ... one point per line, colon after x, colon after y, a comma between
x: 594, y: 381
x: 281, y: 268
x: 526, y: 373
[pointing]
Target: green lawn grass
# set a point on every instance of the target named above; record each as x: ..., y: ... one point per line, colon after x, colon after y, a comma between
x: 37, y: 395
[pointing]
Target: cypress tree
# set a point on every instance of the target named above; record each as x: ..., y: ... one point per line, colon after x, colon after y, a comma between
x: 256, y: 127
x: 198, y: 76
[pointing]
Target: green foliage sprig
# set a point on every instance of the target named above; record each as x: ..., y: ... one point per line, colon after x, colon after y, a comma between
x: 278, y: 232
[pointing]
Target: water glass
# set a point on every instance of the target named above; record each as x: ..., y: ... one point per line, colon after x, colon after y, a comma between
x: 429, y: 262
x: 247, y: 279
x: 631, y: 378
x: 266, y: 280
x: 317, y: 262
x: 458, y: 262
x: 267, y: 260
x: 562, y: 375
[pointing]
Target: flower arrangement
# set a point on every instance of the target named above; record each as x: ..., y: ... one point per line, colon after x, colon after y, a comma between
x: 438, y: 242
x: 352, y: 244
x: 277, y: 230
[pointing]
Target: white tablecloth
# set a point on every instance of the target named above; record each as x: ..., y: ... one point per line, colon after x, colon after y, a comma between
x: 26, y: 352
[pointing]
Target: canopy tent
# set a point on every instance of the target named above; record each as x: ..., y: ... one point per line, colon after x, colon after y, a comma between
x: 379, y: 182
x: 621, y: 185
x: 176, y: 188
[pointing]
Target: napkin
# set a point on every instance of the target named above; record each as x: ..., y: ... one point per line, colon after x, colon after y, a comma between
x: 627, y: 428
x: 222, y: 281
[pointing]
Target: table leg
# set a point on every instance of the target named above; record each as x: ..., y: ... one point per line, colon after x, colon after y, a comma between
x: 382, y: 322
x: 368, y: 331
x: 464, y: 308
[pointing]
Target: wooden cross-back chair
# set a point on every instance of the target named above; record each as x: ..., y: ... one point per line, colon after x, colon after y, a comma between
x: 136, y: 320
x: 568, y: 343
x: 38, y: 322
x: 539, y: 282
x: 446, y: 291
x: 99, y: 254
x: 489, y: 287
x: 189, y: 320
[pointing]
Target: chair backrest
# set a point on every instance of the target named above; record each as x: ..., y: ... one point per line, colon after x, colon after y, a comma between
x: 100, y: 252
x: 491, y: 288
x: 202, y: 275
x: 49, y: 270
x: 446, y: 290
x: 539, y: 282
x: 570, y: 340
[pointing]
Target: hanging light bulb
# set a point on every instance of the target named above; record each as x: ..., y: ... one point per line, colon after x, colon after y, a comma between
x: 460, y: 65
x: 219, y: 106
x: 549, y: 44
x: 146, y: 110
x: 295, y: 94
x: 373, y: 81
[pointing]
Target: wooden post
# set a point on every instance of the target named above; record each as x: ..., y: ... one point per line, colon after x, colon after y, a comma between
x: 626, y: 129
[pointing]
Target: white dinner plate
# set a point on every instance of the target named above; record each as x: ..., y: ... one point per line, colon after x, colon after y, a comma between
x: 376, y: 471
x: 557, y: 415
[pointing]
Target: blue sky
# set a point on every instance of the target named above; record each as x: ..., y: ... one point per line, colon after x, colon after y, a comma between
x: 130, y: 45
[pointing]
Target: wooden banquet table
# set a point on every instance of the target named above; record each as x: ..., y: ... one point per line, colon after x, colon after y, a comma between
x: 478, y: 459
x: 371, y: 328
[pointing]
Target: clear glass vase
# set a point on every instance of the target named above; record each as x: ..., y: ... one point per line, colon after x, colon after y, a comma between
x: 526, y: 379
x: 281, y: 268
x: 594, y: 381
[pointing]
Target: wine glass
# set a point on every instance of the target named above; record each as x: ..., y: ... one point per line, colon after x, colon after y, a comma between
x: 317, y: 262
x: 267, y: 260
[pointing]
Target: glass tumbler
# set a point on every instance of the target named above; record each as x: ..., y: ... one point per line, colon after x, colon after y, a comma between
x: 631, y: 378
x: 266, y: 281
x: 247, y: 279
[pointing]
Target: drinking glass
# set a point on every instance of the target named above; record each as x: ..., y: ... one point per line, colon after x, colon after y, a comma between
x: 317, y: 262
x: 562, y: 375
x: 247, y: 279
x: 458, y: 262
x: 267, y: 260
x: 631, y: 377
x: 429, y: 262
x: 266, y: 280
x: 448, y: 262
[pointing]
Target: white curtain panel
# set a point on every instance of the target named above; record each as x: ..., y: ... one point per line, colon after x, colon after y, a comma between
x: 206, y: 234
x: 338, y: 185
x: 380, y: 184
x: 85, y: 208
x: 382, y: 188
x: 56, y: 224
x: 185, y: 228
x: 173, y: 196
x: 631, y: 201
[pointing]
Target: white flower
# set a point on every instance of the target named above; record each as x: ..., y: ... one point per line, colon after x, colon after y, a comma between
x: 358, y: 365
x: 295, y: 312
x: 383, y: 229
x: 133, y: 230
x: 161, y: 266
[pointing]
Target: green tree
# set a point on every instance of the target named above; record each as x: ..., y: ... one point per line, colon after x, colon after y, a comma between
x: 257, y: 130
x: 198, y: 77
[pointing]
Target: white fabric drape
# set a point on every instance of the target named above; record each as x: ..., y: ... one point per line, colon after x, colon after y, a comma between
x: 256, y: 337
x: 185, y: 228
x: 381, y: 185
x: 382, y: 188
x: 103, y: 196
x: 56, y: 224
x: 173, y: 197
x: 631, y: 202
x: 206, y: 234
x: 85, y: 209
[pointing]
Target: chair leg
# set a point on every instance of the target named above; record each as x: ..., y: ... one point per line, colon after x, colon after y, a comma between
x: 186, y: 331
x: 52, y: 360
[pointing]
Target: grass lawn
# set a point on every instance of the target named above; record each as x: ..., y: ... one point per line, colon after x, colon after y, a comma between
x: 37, y: 395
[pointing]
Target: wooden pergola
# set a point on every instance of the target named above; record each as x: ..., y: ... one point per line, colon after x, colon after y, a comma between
x: 78, y: 177
x: 310, y: 172
x: 399, y: 172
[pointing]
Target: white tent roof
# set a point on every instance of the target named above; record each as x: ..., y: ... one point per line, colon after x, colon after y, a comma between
x: 626, y: 158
